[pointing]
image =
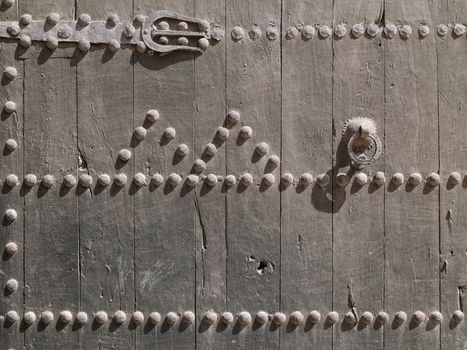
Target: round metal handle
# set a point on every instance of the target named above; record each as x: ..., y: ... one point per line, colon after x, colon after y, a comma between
x: 367, y: 152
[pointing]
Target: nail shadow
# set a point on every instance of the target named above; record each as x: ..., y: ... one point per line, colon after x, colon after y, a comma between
x: 413, y: 323
x: 76, y: 326
x: 133, y: 188
x: 7, y: 323
x: 204, y: 326
x: 362, y: 325
x: 290, y: 327
x: 347, y: 326
x: 148, y: 327
x: 301, y: 188
x: 185, y: 190
x: 238, y: 327
x: 152, y: 187
x: 134, y: 142
x: 409, y: 187
x: 263, y: 187
x: 64, y: 190
x: 23, y: 326
x: 6, y: 189
x: 60, y: 325
x: 114, y: 189
x: 308, y: 325
x: 453, y: 324
x: 205, y: 189
x: 255, y: 157
x: 241, y: 187
x: 372, y: 187
x: 176, y: 159
x: 183, y: 326
x: 6, y: 151
x: 41, y: 326
x: 168, y: 188
x: 428, y: 188
x: 98, y: 188
x: 95, y: 325
x: 6, y: 115
x: 430, y: 325
x: 392, y: 187
x: 377, y: 324
x: 7, y: 292
x: 355, y: 187
x: 114, y: 326
x: 328, y: 324
x: 44, y: 55
x: 256, y: 324
x: 273, y: 327
x: 396, y: 324
x: 79, y: 189
x: 240, y: 141
x: 107, y: 55
x: 119, y: 163
x: 221, y: 326
x: 6, y: 256
x: 206, y: 157
x: 450, y: 185
x: 164, y: 141
x: 165, y: 327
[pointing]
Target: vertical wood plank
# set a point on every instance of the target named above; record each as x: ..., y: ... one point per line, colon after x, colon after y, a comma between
x: 452, y: 94
x: 358, y: 220
x: 210, y: 218
x: 306, y: 219
x: 411, y: 214
x: 40, y: 9
x: 165, y: 237
x: 105, y: 126
x: 253, y: 213
x: 11, y: 127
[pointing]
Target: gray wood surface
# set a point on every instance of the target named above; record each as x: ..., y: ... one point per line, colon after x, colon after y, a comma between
x: 411, y: 214
x: 358, y: 219
x: 452, y: 90
x: 106, y: 214
x: 306, y: 218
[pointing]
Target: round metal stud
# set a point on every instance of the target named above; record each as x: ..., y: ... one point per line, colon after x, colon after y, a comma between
x: 124, y: 155
x: 418, y: 317
x: 255, y: 33
x: 163, y: 40
x: 379, y: 179
x: 273, y: 161
x: 64, y: 31
x: 459, y: 29
x: 382, y: 318
x: 101, y: 317
x: 12, y: 317
x: 140, y: 133
x: 361, y: 179
x: 84, y: 45
x: 367, y: 318
x: 192, y: 179
x: 436, y: 317
x: 25, y: 41
x: 261, y: 318
x: 230, y: 180
x: 82, y: 318
x: 415, y: 179
x: 279, y: 318
x: 113, y: 45
x: 314, y: 317
x: 322, y: 180
x: 188, y: 317
x: 141, y: 46
x: 400, y: 317
x: 199, y: 166
x: 84, y: 20
x: 455, y: 178
x: 268, y: 179
x: 10, y: 215
x: 340, y: 31
x: 157, y: 180
x: 342, y: 179
x: 433, y: 180
x: 246, y: 179
x: 308, y: 32
x: 137, y: 318
x: 152, y: 115
x: 390, y: 30
x: 406, y: 31
x: 47, y: 317
x: 85, y: 180
x: 69, y: 181
x: 163, y: 25
x: 65, y: 316
x: 332, y: 317
x: 13, y: 30
x: 424, y: 30
x: 154, y: 318
x: 227, y: 318
x: 51, y: 42
x: 296, y: 318
x: 112, y: 20
x: 397, y: 179
x: 233, y: 117
x: 211, y: 180
x: 443, y: 29
x: 129, y: 30
x: 11, y: 145
x: 11, y: 286
x: 244, y: 318
x: 11, y: 180
x: 182, y: 150
x: 8, y: 3
x: 306, y: 179
x: 210, y: 149
x: 182, y: 26
x: 182, y: 41
x: 10, y: 72
x: 324, y: 31
x: 222, y: 134
x: 358, y: 30
x: 238, y: 33
x: 261, y: 149
x: 203, y: 43
x: 272, y: 33
x: 372, y: 29
x: 25, y: 19
x: 139, y: 20
x: 174, y: 179
x: 287, y: 179
x: 210, y: 318
x: 52, y: 19
x: 171, y: 318
x: 103, y: 180
x: 29, y: 318
x: 9, y: 107
x: 291, y: 33
x: 204, y: 26
x: 139, y: 179
x: 457, y: 316
x: 350, y: 318
x: 119, y: 317
x: 11, y: 248
x: 245, y: 132
x: 169, y: 133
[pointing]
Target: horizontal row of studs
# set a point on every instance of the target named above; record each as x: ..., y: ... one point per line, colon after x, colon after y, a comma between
x: 241, y: 320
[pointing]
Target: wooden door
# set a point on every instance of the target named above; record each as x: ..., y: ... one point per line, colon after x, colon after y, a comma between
x: 179, y: 174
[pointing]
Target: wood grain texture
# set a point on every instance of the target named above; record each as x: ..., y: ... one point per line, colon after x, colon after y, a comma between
x: 11, y: 127
x: 106, y: 214
x: 411, y: 214
x: 452, y: 94
x: 210, y: 215
x: 40, y: 9
x: 358, y: 219
x: 253, y: 213
x: 51, y: 216
x: 165, y: 235
x: 306, y: 218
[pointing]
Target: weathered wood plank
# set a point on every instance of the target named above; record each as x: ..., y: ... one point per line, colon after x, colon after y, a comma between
x: 306, y: 219
x: 105, y: 126
x: 358, y: 220
x: 452, y: 94
x: 11, y: 127
x: 211, y: 249
x: 253, y: 213
x: 40, y: 9
x: 165, y: 237
x: 51, y: 225
x: 411, y: 214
